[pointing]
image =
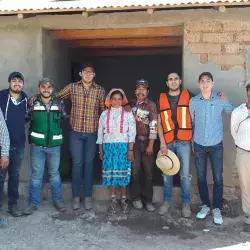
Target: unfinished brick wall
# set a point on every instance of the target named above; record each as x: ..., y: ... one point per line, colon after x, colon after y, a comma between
x: 220, y: 42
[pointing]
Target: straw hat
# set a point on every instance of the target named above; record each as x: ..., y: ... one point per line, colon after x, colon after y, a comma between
x: 169, y: 164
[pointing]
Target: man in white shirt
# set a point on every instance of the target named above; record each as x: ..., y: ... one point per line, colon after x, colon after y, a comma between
x: 240, y: 130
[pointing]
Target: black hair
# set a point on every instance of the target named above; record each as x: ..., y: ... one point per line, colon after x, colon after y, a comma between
x: 117, y: 92
x: 248, y: 87
x: 173, y: 73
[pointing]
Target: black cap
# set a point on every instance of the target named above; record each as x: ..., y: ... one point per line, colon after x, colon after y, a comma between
x: 45, y: 80
x: 87, y: 65
x: 142, y: 82
x: 206, y: 74
x: 15, y: 74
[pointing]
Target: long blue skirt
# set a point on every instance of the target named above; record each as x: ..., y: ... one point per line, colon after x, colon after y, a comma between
x: 116, y: 169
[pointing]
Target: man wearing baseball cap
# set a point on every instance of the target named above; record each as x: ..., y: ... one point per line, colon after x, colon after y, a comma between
x: 145, y: 112
x: 13, y: 102
x: 45, y: 136
x: 206, y: 110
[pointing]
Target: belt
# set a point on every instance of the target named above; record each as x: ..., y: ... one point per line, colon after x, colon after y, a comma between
x: 243, y: 149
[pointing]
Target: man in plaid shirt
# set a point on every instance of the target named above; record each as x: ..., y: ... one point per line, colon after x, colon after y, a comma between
x: 87, y: 100
x: 5, y: 147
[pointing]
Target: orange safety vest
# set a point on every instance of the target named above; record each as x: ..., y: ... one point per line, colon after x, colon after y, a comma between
x: 184, y: 131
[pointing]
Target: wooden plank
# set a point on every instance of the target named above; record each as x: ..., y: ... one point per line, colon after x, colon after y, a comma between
x: 126, y: 8
x: 142, y: 52
x: 118, y: 33
x: 127, y: 43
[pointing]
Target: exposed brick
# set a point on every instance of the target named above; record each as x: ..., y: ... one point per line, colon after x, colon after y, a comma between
x: 203, y: 58
x: 193, y: 37
x: 205, y: 26
x: 234, y: 59
x: 243, y: 36
x: 228, y: 67
x: 235, y: 26
x: 230, y: 48
x: 217, y: 37
x: 203, y: 48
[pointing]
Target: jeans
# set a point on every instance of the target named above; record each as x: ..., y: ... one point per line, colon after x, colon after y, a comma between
x: 15, y: 163
x: 215, y: 154
x: 38, y: 157
x: 183, y: 151
x: 83, y: 149
x: 142, y: 162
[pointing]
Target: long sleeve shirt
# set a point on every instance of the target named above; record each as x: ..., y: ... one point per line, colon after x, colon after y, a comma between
x: 240, y: 126
x: 114, y: 134
x: 207, y: 118
x: 86, y: 105
x: 4, y: 136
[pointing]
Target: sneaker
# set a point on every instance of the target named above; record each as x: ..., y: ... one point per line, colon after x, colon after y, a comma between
x: 125, y: 206
x: 2, y: 223
x: 60, y: 207
x: 150, y: 207
x: 217, y: 216
x: 14, y: 211
x: 76, y: 203
x: 247, y: 220
x: 137, y: 204
x: 186, y: 211
x: 112, y: 206
x: 88, y: 203
x: 205, y: 210
x: 164, y: 208
x: 29, y: 210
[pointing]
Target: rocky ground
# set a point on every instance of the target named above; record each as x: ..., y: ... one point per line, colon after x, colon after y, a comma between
x: 47, y: 229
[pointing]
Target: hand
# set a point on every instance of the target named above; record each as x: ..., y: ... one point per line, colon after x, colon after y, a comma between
x: 222, y: 96
x: 101, y: 155
x: 131, y: 156
x: 149, y: 150
x: 127, y: 108
x: 4, y: 161
x: 164, y: 149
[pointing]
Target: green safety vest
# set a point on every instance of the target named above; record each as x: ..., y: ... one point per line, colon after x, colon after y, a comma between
x: 45, y: 129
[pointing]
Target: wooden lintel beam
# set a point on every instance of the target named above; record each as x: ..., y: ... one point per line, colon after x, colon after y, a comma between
x: 118, y: 33
x: 144, y: 52
x: 128, y: 43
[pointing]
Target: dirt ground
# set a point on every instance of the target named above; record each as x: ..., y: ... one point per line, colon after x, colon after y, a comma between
x: 47, y: 229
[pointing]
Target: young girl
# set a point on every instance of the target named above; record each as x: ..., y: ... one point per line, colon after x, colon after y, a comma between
x: 116, y: 137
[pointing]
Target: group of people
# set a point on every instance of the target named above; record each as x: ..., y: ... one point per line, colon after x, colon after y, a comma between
x: 125, y: 131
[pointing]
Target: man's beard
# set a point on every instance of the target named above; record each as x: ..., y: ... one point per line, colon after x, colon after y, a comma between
x: 15, y: 91
x: 46, y: 97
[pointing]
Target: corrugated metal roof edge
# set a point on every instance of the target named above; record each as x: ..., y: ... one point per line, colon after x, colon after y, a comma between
x: 132, y: 7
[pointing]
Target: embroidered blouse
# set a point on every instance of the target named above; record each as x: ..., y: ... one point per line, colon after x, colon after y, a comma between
x: 116, y: 125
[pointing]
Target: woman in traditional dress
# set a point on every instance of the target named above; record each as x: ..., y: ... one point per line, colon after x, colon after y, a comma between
x: 116, y: 137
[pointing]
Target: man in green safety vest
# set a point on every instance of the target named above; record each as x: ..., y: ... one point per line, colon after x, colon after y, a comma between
x: 46, y: 138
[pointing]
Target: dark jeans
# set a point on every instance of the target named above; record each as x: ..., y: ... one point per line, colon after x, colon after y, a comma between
x: 38, y: 157
x: 83, y: 149
x: 16, y: 159
x: 215, y: 154
x: 142, y: 162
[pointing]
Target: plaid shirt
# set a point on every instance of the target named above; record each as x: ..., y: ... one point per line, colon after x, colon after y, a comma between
x: 4, y: 136
x: 86, y: 105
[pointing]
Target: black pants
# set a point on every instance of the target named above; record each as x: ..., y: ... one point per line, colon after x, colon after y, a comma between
x: 142, y: 189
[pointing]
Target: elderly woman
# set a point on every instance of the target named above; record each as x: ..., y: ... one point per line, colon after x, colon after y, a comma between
x: 116, y: 137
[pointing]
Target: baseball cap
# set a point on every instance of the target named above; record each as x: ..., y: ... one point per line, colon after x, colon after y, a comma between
x: 45, y: 80
x: 87, y: 65
x: 206, y: 74
x: 15, y: 74
x: 142, y: 82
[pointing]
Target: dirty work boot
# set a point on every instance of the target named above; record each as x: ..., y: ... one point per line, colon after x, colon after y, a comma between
x: 137, y: 204
x: 29, y: 210
x: 164, y: 208
x: 76, y: 203
x: 150, y: 207
x: 60, y: 207
x: 186, y: 211
x: 124, y: 205
x: 112, y: 205
x: 14, y: 211
x: 88, y: 203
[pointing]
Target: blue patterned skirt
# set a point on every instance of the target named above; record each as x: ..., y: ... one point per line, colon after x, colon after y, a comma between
x: 116, y: 169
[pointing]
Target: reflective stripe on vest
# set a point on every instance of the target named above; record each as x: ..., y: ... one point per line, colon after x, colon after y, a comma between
x: 184, y: 131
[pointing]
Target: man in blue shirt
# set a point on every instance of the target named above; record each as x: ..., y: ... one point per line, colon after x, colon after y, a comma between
x: 206, y: 112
